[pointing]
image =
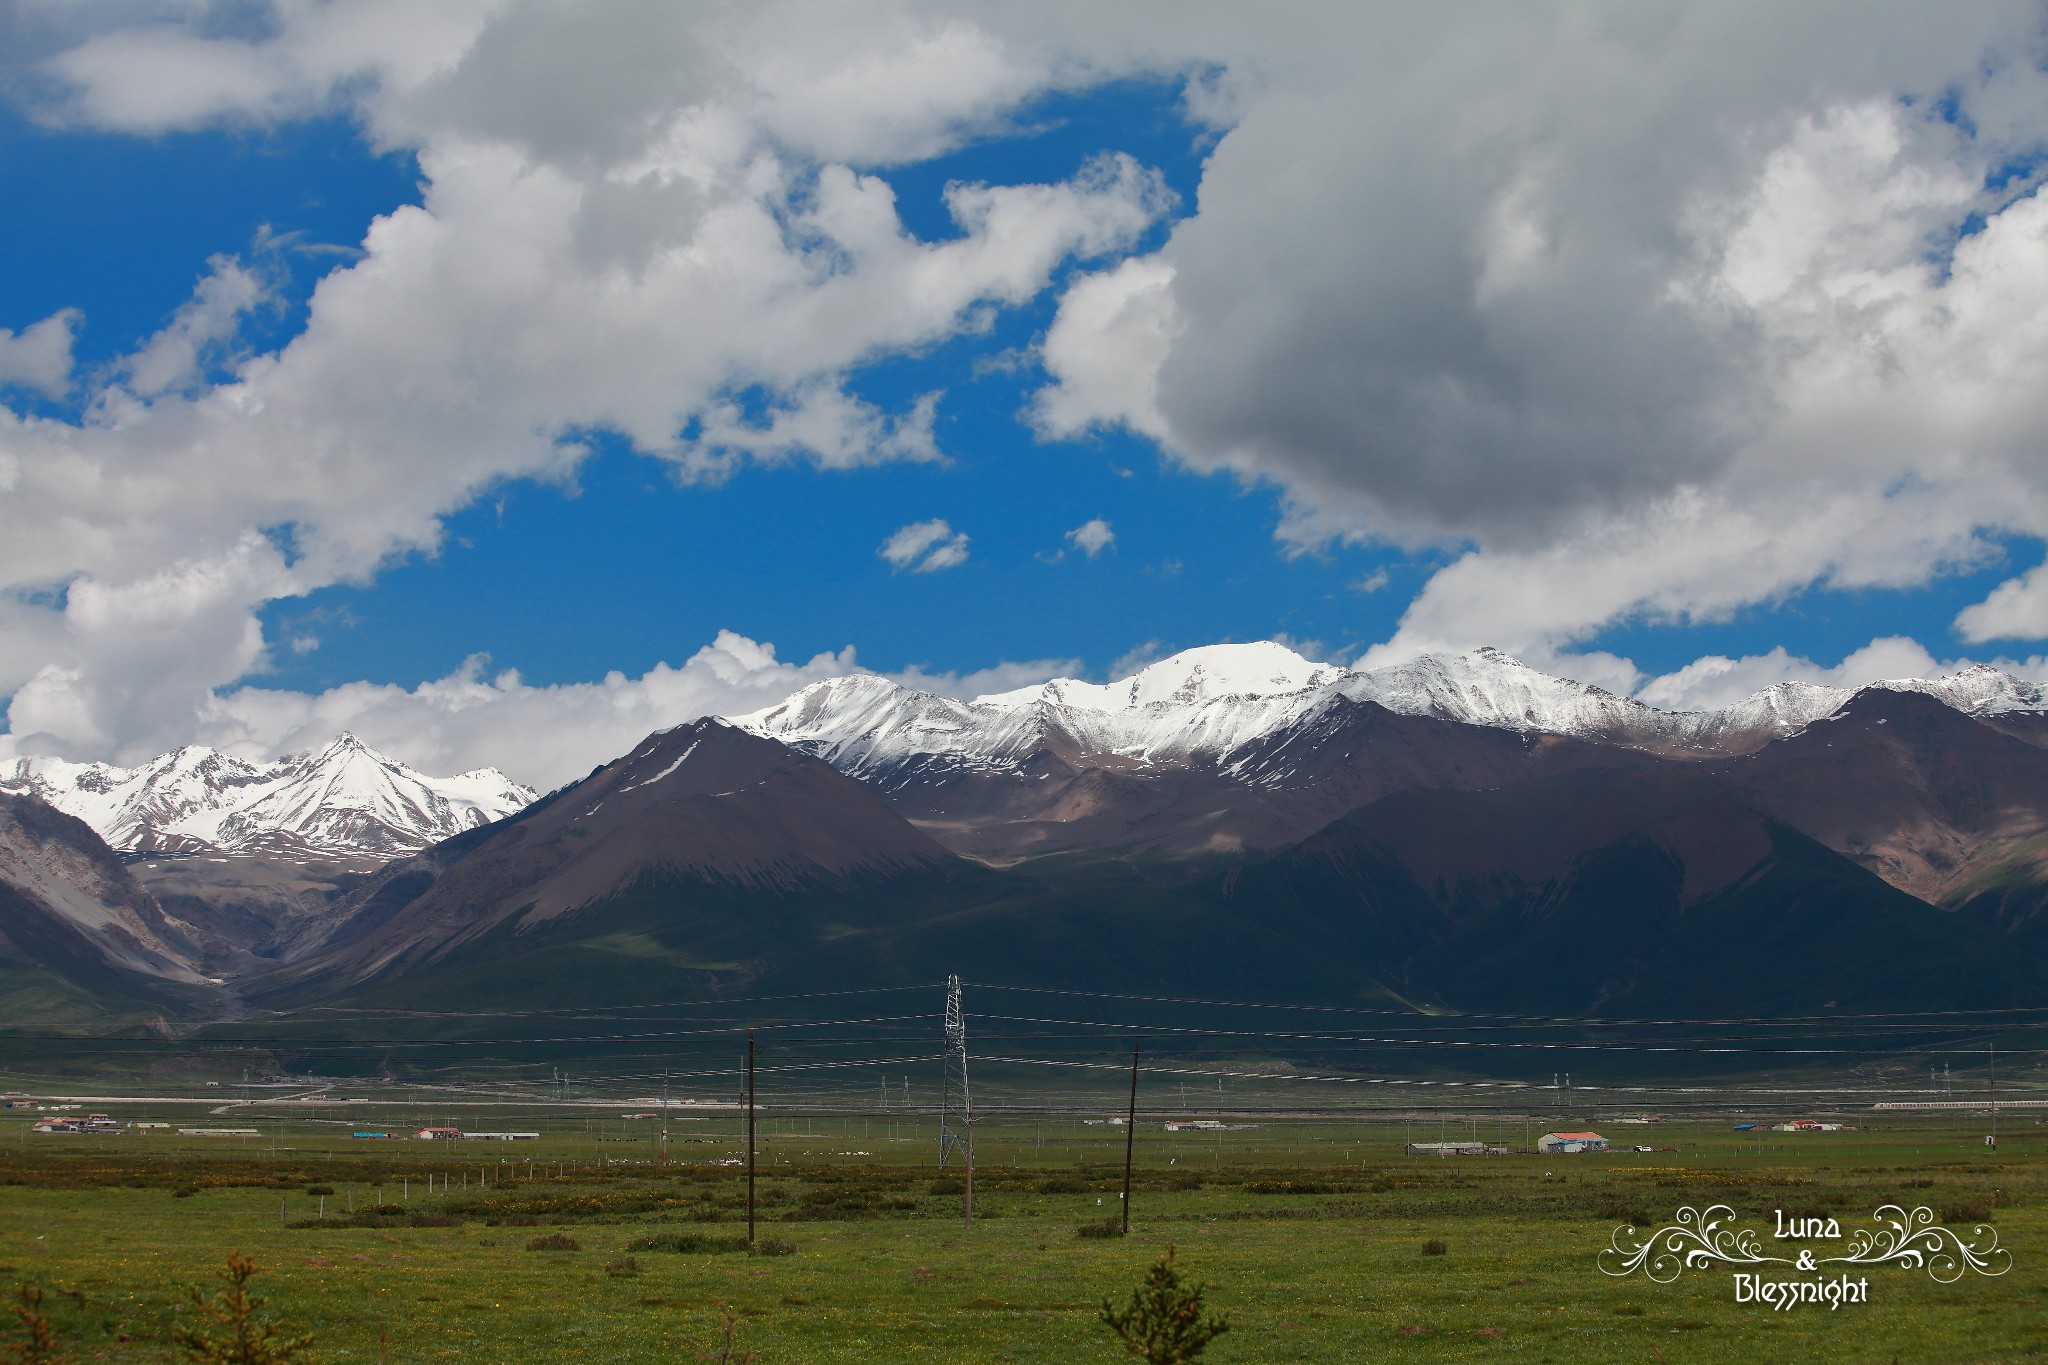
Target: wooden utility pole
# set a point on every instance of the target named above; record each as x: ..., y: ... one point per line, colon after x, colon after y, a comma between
x: 750, y: 1137
x: 1130, y: 1136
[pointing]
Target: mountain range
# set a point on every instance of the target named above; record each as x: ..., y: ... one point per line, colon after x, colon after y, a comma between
x: 1458, y: 833
x: 345, y: 800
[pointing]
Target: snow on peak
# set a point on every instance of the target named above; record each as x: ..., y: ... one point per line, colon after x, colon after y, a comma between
x: 345, y: 799
x: 1488, y: 687
x: 1979, y: 690
x: 1201, y: 704
x: 1259, y: 669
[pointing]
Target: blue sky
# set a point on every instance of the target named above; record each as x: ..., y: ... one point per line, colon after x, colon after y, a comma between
x: 1400, y: 395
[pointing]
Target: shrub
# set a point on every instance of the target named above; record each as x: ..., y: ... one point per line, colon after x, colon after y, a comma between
x: 622, y: 1267
x: 554, y: 1241
x: 1967, y: 1211
x: 1163, y: 1324
x: 945, y: 1187
x: 1060, y: 1186
x: 1288, y: 1187
x: 687, y: 1243
x: 1433, y: 1247
x: 237, y: 1337
x: 1112, y: 1226
x: 40, y: 1344
x: 769, y: 1246
x: 316, y: 1191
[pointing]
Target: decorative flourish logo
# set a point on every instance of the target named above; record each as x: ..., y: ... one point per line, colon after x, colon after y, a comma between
x: 1697, y: 1240
x: 1700, y: 1239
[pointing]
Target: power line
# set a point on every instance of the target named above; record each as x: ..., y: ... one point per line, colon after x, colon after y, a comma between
x: 1580, y: 1020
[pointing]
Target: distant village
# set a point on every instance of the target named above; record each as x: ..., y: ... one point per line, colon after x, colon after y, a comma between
x: 1574, y: 1144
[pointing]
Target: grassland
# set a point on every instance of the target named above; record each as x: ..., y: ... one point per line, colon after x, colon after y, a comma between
x: 1311, y: 1232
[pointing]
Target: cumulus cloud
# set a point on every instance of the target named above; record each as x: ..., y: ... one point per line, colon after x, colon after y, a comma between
x: 1634, y: 310
x: 1104, y: 351
x: 177, y: 357
x: 1092, y: 537
x: 544, y: 736
x: 925, y: 547
x: 1717, y: 680
x: 1632, y: 337
x: 2017, y: 609
x: 1001, y: 677
x: 655, y: 221
x: 39, y: 356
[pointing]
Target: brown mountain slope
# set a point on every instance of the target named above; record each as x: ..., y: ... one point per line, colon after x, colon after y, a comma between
x: 1283, y: 787
x: 1922, y: 795
x: 80, y: 940
x: 1622, y: 893
x: 703, y: 804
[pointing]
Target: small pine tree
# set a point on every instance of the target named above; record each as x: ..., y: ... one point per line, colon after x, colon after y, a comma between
x: 1164, y: 1324
x: 243, y: 1340
x: 40, y: 1344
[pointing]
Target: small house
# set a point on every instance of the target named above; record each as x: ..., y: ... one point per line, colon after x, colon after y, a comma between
x: 438, y: 1134
x: 1568, y: 1144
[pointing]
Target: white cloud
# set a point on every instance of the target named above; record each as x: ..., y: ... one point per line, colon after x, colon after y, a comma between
x: 1716, y: 680
x: 1543, y: 285
x: 1002, y: 677
x: 1104, y: 349
x: 39, y: 357
x: 541, y: 735
x: 925, y: 547
x: 177, y: 356
x: 1644, y: 310
x: 1092, y: 537
x: 2017, y: 609
x: 821, y: 422
x: 651, y: 220
x: 1134, y: 659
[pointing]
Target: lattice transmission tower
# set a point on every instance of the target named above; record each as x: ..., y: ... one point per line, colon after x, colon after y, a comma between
x: 956, y: 1108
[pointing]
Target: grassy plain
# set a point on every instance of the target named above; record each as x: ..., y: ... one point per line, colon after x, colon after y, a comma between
x: 1311, y: 1232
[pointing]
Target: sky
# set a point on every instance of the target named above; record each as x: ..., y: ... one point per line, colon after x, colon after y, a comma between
x: 501, y: 381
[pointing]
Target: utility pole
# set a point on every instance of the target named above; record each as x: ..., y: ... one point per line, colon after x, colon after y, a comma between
x: 664, y: 1118
x: 1130, y: 1137
x: 750, y: 1137
x: 955, y: 1097
x: 1993, y: 1144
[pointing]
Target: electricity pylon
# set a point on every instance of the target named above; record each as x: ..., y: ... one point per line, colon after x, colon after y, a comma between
x: 956, y: 1110
x: 956, y: 1106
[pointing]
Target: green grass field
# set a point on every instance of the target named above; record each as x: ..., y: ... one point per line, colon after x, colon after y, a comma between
x: 1309, y: 1230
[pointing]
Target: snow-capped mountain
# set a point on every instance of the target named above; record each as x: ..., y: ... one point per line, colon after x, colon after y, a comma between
x: 1203, y: 705
x: 345, y: 800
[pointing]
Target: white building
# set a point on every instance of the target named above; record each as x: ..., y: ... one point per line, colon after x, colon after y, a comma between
x: 1566, y: 1144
